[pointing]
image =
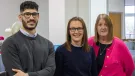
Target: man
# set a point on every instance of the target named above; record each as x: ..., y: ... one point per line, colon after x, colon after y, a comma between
x: 26, y: 53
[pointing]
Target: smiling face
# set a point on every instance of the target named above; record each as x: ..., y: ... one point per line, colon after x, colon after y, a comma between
x: 76, y: 32
x: 102, y: 28
x: 29, y: 18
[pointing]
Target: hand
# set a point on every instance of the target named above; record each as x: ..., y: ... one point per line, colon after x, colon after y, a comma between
x: 19, y: 73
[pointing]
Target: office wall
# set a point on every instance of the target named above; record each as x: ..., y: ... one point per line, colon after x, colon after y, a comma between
x: 96, y: 7
x: 60, y: 12
x: 88, y: 10
x: 118, y: 6
x: 77, y: 8
x: 9, y: 14
x: 54, y: 15
x: 71, y: 9
x: 57, y: 21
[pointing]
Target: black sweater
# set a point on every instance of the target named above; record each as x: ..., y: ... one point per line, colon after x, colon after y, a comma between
x: 75, y: 63
x: 34, y: 56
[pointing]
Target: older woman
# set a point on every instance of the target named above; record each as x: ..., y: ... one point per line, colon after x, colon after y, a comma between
x: 112, y: 55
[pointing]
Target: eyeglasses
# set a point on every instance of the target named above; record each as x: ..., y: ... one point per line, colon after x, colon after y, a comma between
x: 79, y: 29
x: 28, y: 14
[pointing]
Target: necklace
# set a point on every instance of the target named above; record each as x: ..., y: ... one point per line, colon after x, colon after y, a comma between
x: 102, y: 51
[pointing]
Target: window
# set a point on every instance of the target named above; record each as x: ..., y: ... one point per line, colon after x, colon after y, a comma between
x: 130, y: 22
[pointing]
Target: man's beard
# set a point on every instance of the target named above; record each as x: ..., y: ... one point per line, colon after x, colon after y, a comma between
x: 28, y: 28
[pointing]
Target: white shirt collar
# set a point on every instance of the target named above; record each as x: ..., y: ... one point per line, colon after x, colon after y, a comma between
x: 27, y: 34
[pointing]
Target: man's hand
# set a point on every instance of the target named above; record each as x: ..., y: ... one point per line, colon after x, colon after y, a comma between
x: 19, y: 73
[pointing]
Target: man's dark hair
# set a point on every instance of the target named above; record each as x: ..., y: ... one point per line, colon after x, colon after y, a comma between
x: 28, y: 5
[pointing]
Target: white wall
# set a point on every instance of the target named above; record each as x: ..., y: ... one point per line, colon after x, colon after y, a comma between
x: 57, y: 21
x: 54, y: 15
x: 96, y: 7
x: 8, y: 14
x: 10, y: 10
x: 60, y: 12
x: 71, y: 10
x: 77, y: 8
x: 84, y: 13
x: 118, y: 6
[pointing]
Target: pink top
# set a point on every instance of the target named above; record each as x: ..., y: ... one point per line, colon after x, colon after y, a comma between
x: 118, y: 60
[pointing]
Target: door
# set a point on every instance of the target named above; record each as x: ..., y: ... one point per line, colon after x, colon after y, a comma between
x: 117, y: 21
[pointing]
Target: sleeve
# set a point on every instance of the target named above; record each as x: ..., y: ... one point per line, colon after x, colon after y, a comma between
x: 59, y: 63
x: 127, y: 59
x: 10, y: 56
x: 50, y: 64
x: 94, y: 64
